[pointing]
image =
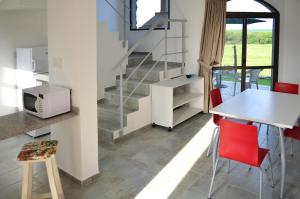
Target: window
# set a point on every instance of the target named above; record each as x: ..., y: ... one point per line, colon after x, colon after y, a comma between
x: 251, y: 51
x: 144, y: 12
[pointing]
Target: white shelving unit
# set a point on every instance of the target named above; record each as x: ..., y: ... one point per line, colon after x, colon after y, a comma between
x: 176, y: 100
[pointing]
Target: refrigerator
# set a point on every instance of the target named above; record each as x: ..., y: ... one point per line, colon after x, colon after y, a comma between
x: 30, y: 62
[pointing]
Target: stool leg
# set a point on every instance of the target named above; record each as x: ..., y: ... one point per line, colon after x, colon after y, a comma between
x: 57, y: 178
x: 52, y: 184
x: 27, y: 181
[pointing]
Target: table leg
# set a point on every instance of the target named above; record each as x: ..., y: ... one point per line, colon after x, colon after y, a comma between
x: 283, y: 163
x: 216, y: 144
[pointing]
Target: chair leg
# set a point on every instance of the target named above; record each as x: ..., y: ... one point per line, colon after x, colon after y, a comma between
x: 260, y: 183
x: 271, y: 169
x: 213, y: 178
x: 257, y: 85
x: 211, y: 141
x: 57, y: 178
x: 268, y: 130
x: 292, y: 148
x: 27, y: 181
x: 50, y: 172
x: 234, y: 89
x: 228, y: 171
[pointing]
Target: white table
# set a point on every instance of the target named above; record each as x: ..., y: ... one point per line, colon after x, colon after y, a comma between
x: 277, y: 109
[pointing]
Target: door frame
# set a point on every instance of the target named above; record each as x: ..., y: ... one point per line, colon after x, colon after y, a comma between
x: 274, y: 14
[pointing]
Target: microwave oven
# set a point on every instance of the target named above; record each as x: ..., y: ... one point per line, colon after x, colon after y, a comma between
x: 46, y: 101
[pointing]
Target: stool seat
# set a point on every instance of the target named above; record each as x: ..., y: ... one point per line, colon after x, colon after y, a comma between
x: 38, y: 150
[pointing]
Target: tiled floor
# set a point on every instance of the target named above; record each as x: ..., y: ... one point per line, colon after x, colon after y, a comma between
x: 155, y: 164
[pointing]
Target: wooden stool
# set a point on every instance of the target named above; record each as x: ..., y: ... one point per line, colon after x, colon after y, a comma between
x: 34, y: 152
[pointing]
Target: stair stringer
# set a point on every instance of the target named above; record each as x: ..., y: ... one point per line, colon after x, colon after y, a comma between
x: 138, y: 119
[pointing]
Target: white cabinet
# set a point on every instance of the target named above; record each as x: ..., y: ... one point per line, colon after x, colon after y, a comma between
x: 176, y: 100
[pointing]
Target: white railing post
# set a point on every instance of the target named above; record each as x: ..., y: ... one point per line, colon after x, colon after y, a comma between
x: 124, y: 24
x: 121, y: 100
x: 183, y: 47
x: 166, y: 49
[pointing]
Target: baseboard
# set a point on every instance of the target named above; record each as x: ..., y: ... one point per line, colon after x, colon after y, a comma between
x: 85, y: 182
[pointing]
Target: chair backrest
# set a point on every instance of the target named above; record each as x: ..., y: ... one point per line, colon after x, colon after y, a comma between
x: 239, y: 142
x: 254, y: 74
x: 283, y: 87
x: 216, y: 99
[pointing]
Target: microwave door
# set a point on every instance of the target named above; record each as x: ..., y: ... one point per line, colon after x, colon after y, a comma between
x: 29, y: 102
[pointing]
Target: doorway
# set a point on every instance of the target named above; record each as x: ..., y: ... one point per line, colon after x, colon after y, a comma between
x: 251, y: 48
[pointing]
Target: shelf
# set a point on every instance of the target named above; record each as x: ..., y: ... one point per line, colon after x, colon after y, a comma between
x: 184, y: 113
x: 179, y: 100
x: 177, y: 82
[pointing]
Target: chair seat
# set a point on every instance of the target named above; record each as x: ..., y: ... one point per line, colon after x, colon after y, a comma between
x: 293, y: 133
x: 38, y: 150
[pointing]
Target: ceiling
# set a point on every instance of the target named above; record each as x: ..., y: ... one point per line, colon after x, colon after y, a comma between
x: 23, y: 4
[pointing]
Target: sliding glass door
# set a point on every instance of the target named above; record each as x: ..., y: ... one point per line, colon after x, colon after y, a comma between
x: 251, y: 52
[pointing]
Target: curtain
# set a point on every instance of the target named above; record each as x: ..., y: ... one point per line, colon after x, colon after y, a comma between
x: 212, y: 43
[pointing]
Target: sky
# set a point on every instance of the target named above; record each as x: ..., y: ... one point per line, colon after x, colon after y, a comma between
x: 249, y: 6
x: 146, y: 10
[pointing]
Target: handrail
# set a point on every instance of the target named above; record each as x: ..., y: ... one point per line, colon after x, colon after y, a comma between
x: 164, y: 55
x: 144, y: 59
x: 142, y: 80
x: 137, y: 44
x: 124, y: 3
x: 117, y: 11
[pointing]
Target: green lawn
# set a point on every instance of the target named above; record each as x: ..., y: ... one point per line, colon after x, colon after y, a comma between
x: 257, y: 55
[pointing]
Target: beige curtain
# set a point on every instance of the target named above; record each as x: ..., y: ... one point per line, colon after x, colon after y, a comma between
x: 212, y: 43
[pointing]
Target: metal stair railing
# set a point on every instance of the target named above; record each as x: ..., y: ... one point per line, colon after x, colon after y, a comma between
x: 164, y: 57
x: 122, y: 16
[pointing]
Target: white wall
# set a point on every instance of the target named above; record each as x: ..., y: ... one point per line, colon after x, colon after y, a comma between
x: 193, y: 12
x: 106, y: 14
x: 290, y: 68
x: 73, y: 63
x: 289, y: 49
x: 18, y: 28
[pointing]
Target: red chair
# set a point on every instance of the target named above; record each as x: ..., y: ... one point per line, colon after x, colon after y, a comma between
x: 216, y: 99
x: 282, y: 87
x: 234, y: 145
x: 286, y: 88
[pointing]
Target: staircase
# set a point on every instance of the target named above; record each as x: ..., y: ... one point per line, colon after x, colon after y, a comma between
x: 137, y: 110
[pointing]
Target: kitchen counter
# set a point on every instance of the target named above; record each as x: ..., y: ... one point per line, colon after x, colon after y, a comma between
x: 21, y: 122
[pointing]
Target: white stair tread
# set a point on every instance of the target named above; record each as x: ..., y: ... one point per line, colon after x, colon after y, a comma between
x: 114, y: 108
x: 126, y: 94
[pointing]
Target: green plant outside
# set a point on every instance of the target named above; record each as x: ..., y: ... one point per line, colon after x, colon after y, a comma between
x: 259, y: 52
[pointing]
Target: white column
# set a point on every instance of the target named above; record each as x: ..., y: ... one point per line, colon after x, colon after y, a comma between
x: 72, y: 63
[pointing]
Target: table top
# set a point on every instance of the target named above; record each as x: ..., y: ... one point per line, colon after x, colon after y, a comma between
x: 267, y: 107
x: 18, y: 123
